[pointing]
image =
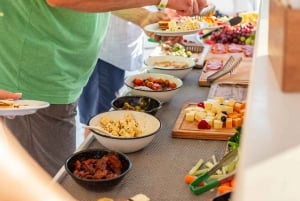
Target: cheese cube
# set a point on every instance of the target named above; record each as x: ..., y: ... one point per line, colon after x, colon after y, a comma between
x: 228, y: 109
x: 231, y: 102
x: 236, y: 122
x: 219, y: 115
x: 226, y: 102
x: 207, y: 105
x: 237, y: 107
x: 210, y: 114
x: 216, y: 108
x: 209, y: 120
x: 232, y: 115
x: 190, y: 116
x: 220, y: 99
x: 242, y: 112
x: 200, y: 115
x: 188, y: 109
x: 193, y: 108
x: 243, y: 104
x: 228, y: 123
x: 218, y: 124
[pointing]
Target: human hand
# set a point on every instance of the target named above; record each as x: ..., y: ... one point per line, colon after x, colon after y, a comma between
x: 9, y: 95
x: 154, y: 17
x: 187, y: 7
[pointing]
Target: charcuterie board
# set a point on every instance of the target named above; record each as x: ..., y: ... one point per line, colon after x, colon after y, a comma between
x: 186, y: 129
x: 241, y: 74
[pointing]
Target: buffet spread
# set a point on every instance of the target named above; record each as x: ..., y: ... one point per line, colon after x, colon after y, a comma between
x: 193, y: 151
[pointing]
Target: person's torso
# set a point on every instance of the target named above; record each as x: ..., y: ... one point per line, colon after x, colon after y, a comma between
x: 47, y: 53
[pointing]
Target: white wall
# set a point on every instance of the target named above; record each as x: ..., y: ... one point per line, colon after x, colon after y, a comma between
x: 231, y: 7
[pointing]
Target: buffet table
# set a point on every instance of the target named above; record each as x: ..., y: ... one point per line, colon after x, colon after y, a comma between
x: 269, y: 156
x: 159, y: 169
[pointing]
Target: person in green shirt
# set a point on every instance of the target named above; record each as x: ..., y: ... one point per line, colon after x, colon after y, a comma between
x: 48, y: 51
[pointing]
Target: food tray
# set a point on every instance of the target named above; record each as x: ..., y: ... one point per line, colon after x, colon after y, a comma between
x: 240, y: 74
x: 199, y: 57
x: 185, y: 129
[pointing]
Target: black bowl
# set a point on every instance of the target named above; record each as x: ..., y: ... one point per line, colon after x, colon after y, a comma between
x: 138, y: 103
x: 96, y: 184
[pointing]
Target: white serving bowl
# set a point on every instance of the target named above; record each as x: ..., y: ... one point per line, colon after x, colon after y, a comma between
x: 153, y: 62
x: 148, y: 123
x: 162, y: 95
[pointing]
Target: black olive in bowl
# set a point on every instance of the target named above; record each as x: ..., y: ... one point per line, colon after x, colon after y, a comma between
x: 97, y: 169
x: 137, y: 103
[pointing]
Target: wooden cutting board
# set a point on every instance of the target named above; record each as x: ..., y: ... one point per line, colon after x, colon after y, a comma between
x: 186, y: 129
x: 240, y: 75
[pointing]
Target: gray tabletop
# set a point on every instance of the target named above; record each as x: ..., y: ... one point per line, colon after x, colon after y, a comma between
x: 158, y: 170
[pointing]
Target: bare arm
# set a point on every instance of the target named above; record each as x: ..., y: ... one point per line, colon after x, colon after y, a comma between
x: 24, y: 178
x: 184, y: 7
x: 140, y: 16
x: 100, y: 5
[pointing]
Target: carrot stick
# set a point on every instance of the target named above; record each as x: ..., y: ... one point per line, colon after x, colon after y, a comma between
x: 189, y: 178
x: 233, y: 183
x: 223, y: 189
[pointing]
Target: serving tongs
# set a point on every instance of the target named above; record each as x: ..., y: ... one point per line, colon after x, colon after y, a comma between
x: 232, y: 22
x: 230, y: 65
x: 202, y: 184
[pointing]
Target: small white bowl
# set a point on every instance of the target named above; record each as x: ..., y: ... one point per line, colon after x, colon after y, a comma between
x: 148, y: 123
x: 162, y: 95
x: 181, y: 73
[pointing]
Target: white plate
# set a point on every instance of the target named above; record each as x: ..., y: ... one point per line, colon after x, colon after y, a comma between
x: 155, y: 29
x: 26, y: 107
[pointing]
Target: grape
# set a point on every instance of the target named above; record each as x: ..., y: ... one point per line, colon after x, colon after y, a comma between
x: 239, y: 34
x: 242, y: 38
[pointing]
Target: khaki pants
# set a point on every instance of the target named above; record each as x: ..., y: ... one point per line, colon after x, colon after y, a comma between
x: 49, y: 135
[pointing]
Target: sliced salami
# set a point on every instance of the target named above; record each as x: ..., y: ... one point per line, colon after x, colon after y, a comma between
x: 214, y: 64
x: 218, y: 48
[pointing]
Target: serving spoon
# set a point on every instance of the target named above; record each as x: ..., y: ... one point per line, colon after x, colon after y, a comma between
x: 99, y: 129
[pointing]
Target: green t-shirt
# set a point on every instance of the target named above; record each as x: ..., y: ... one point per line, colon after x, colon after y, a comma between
x: 47, y: 53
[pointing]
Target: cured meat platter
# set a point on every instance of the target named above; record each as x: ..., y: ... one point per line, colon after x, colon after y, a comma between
x: 215, y: 61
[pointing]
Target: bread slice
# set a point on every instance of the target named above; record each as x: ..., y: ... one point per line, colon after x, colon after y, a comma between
x: 163, y: 25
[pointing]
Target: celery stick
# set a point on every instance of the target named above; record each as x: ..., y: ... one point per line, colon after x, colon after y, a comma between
x: 216, y: 176
x: 196, y: 167
x: 219, y: 172
x: 199, y: 172
x: 209, y: 164
x: 214, y: 161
